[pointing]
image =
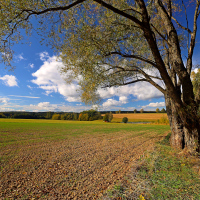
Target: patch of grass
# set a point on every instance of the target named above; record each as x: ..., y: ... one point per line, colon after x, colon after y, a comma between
x: 170, y: 176
x: 117, y: 192
x: 164, y: 174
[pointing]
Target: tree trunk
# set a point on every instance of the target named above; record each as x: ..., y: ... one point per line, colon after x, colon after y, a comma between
x: 181, y: 136
x: 177, y: 132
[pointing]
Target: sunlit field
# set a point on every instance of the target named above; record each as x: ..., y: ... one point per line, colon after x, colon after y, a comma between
x: 47, y: 159
x: 139, y: 117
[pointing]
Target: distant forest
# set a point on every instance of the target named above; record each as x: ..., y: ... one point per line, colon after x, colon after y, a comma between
x: 61, y: 115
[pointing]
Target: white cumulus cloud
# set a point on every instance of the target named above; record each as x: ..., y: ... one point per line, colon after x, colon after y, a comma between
x: 155, y: 105
x: 9, y: 80
x: 48, y: 78
x: 141, y: 91
x: 44, y: 56
x: 112, y: 102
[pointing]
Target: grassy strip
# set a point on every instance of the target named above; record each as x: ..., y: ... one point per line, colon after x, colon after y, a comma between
x: 162, y: 174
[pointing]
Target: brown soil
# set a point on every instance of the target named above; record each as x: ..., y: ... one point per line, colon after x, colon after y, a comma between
x: 80, y: 168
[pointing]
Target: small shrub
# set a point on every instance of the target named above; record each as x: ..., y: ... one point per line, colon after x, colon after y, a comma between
x: 105, y: 117
x: 157, y: 110
x: 162, y: 120
x: 163, y: 111
x: 108, y: 117
x: 125, y: 120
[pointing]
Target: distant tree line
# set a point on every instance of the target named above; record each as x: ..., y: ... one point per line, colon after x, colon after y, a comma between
x: 26, y: 115
x: 39, y: 115
x: 88, y: 115
x: 65, y: 116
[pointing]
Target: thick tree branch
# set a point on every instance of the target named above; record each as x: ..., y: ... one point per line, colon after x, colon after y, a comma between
x: 59, y: 8
x: 120, y: 12
x: 175, y: 60
x: 160, y: 34
x: 32, y: 12
x: 147, y: 77
x: 148, y: 34
x: 141, y: 58
x: 169, y: 8
x: 127, y: 83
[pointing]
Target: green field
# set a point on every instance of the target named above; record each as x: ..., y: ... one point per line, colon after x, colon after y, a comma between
x: 68, y: 159
x: 57, y: 159
x: 22, y: 131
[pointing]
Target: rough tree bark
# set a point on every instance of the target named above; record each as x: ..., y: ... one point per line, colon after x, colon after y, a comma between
x: 182, y: 136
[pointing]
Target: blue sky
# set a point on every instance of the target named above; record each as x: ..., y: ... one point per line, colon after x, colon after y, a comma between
x: 36, y: 85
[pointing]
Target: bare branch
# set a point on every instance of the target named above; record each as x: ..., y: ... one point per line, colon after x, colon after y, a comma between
x: 148, y: 79
x: 184, y: 28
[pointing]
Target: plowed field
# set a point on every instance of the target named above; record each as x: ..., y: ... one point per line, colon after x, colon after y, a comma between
x: 72, y: 160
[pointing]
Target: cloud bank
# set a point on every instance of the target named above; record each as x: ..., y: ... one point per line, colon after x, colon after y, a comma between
x: 49, y: 79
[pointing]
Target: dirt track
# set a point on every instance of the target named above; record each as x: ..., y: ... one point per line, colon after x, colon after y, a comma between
x: 82, y: 168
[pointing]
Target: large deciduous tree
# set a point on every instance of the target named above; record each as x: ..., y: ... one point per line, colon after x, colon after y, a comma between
x: 114, y: 43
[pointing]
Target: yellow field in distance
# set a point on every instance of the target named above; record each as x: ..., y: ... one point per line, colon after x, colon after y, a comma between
x: 153, y: 116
